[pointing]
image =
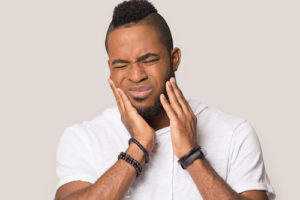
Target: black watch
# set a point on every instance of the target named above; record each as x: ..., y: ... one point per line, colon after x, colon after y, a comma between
x: 190, y: 157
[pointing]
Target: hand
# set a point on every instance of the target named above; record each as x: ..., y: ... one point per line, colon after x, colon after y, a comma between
x: 183, y: 122
x: 135, y: 124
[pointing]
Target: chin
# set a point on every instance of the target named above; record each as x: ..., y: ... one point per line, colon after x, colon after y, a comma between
x: 148, y: 112
x: 145, y: 102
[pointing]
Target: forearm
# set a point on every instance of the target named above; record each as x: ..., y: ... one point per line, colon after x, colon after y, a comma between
x: 209, y: 184
x: 114, y: 183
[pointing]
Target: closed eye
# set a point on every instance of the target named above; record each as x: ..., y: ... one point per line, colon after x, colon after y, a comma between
x: 118, y: 67
x: 150, y: 61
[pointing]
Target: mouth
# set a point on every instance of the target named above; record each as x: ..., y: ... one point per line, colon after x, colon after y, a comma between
x: 140, y: 92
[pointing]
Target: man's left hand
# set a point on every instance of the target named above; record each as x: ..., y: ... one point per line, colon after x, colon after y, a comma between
x: 183, y: 122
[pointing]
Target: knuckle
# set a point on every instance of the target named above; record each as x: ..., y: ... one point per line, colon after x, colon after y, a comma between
x: 183, y: 118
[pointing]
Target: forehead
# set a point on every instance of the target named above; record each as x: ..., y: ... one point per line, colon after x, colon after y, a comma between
x: 133, y: 41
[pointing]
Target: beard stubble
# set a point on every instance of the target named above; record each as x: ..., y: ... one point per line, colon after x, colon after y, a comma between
x: 150, y: 112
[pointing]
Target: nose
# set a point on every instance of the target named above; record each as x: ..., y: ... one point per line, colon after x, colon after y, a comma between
x: 137, y: 73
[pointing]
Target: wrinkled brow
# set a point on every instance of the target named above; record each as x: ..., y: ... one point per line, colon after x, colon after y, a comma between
x: 119, y: 61
x: 143, y: 57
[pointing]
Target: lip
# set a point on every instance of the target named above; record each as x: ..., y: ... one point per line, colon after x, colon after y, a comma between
x: 140, y: 92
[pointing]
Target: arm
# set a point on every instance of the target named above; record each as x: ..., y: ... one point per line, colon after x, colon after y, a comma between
x: 115, y: 182
x: 211, y: 186
x: 111, y: 185
x: 183, y: 134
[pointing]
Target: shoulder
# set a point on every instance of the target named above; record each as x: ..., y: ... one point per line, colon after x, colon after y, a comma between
x: 87, y: 130
x: 226, y: 131
x: 213, y: 118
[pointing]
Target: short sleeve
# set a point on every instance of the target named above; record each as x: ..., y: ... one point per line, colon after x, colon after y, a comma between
x: 74, y: 157
x: 246, y: 165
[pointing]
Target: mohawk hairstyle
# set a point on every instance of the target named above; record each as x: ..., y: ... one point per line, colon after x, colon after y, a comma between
x: 131, y: 11
x: 134, y: 11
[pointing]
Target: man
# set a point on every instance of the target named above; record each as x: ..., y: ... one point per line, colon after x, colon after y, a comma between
x: 163, y: 126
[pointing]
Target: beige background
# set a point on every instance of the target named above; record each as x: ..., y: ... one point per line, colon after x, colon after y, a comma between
x: 239, y: 56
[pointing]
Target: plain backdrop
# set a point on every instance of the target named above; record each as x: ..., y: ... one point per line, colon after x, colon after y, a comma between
x: 239, y: 56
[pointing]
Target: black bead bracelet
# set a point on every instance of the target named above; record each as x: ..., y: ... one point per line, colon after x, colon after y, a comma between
x: 131, y: 161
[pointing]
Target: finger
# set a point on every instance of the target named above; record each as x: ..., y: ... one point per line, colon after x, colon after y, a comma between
x: 180, y: 98
x: 167, y: 107
x: 127, y: 104
x: 117, y: 96
x: 172, y: 98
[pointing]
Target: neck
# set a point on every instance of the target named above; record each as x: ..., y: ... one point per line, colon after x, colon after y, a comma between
x: 160, y: 121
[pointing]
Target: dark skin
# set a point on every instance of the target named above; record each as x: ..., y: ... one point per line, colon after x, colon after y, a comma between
x: 138, y: 58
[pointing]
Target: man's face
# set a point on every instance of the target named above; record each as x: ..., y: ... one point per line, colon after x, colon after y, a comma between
x: 139, y: 65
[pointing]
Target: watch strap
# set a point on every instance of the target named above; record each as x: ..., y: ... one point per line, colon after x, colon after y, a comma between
x: 190, y: 157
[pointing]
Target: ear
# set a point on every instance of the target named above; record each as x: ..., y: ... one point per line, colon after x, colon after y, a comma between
x: 175, y: 58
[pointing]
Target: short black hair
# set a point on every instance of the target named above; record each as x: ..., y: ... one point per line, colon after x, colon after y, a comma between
x: 133, y: 11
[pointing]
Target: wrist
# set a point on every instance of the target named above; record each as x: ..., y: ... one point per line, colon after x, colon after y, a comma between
x: 197, y: 164
x: 146, y: 154
x: 131, y: 161
x: 147, y: 144
x: 190, y: 157
x: 136, y: 153
x: 184, y: 151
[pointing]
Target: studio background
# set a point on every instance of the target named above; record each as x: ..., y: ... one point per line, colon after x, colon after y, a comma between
x: 239, y: 56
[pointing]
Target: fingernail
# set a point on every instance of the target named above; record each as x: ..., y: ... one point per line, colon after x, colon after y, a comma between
x: 172, y: 79
x: 168, y: 84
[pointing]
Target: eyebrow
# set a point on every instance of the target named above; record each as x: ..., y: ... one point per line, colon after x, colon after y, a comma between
x: 144, y: 57
x: 119, y: 61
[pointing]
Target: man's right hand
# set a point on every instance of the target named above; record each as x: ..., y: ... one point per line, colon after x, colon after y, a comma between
x: 135, y: 124
x: 116, y: 180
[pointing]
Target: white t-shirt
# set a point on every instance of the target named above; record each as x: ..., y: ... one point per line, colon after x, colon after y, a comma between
x: 87, y: 150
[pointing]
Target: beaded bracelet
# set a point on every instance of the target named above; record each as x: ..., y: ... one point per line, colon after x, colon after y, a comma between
x: 132, y: 162
x: 141, y: 147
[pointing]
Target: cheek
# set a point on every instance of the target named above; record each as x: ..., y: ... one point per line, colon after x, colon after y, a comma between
x: 163, y: 72
x: 117, y: 78
x: 161, y: 77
